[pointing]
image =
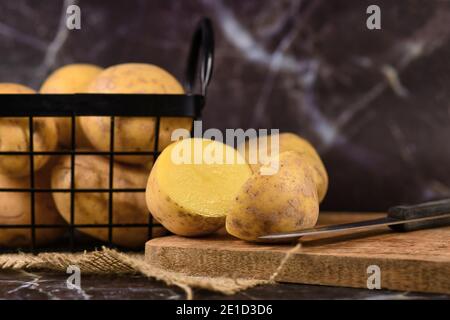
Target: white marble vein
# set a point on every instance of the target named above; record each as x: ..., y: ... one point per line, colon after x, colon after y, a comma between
x: 244, y: 41
x: 303, y: 70
x: 57, y: 43
x: 18, y: 36
x: 421, y: 43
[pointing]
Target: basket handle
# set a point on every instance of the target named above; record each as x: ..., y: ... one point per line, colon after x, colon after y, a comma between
x: 202, y: 47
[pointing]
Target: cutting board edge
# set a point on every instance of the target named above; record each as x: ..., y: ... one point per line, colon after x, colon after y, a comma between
x: 305, y: 268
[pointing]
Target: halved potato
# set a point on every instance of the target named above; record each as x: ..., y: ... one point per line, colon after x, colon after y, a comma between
x: 192, y: 186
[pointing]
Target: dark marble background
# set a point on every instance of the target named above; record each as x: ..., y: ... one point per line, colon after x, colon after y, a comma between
x: 28, y: 285
x: 375, y: 103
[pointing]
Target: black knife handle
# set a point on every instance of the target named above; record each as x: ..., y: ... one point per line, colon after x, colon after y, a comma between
x: 427, y: 209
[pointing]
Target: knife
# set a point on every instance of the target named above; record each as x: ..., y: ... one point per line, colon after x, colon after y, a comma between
x: 401, y: 218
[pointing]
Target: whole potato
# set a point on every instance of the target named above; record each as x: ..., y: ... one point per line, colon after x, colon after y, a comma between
x: 283, y: 202
x: 289, y: 142
x: 133, y: 133
x: 192, y: 199
x: 72, y: 78
x: 15, y: 136
x: 92, y: 172
x: 15, y: 208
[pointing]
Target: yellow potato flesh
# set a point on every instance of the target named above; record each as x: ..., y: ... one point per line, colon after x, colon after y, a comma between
x: 206, y: 189
x: 193, y: 199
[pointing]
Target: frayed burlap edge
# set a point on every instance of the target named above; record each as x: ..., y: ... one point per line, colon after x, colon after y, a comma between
x: 108, y: 261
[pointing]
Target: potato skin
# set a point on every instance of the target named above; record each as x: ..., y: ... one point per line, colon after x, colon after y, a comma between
x: 133, y: 133
x: 173, y: 216
x: 14, y: 136
x: 72, y: 78
x: 285, y: 201
x: 92, y: 208
x: 15, y: 208
x: 292, y: 142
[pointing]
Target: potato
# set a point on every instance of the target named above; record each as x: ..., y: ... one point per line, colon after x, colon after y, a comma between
x: 283, y: 202
x: 72, y: 78
x: 15, y: 208
x: 14, y: 136
x: 92, y: 172
x: 133, y: 133
x: 290, y: 142
x: 192, y: 199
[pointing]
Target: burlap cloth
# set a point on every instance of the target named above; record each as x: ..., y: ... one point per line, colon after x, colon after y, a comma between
x: 108, y: 261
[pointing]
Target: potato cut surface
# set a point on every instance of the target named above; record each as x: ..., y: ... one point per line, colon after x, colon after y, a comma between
x: 206, y: 188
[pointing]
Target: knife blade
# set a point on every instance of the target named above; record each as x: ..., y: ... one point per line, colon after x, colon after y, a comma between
x: 402, y: 218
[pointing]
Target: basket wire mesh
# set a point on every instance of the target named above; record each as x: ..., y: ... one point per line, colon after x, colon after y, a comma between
x: 112, y: 106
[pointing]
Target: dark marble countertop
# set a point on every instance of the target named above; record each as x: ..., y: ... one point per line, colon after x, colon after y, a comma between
x: 48, y: 285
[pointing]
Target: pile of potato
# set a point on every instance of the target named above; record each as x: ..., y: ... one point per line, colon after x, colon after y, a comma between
x: 193, y: 199
x: 15, y: 207
x: 92, y: 133
x: 189, y: 199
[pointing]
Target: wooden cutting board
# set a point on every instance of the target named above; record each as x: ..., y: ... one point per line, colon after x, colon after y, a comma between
x: 416, y: 261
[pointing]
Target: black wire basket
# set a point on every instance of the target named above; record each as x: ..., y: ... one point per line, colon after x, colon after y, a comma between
x: 72, y: 106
